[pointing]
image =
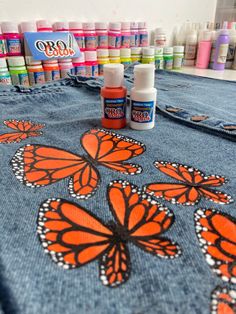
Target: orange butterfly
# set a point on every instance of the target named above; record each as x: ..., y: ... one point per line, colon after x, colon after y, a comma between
x: 24, y: 129
x: 223, y: 301
x: 74, y: 237
x: 39, y: 165
x: 216, y: 233
x: 194, y: 185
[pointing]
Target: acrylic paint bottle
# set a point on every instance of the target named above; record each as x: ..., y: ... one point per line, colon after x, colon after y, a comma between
x: 222, y: 45
x: 44, y: 26
x: 231, y: 49
x: 66, y: 68
x: 114, y: 55
x: 190, y: 48
x: 51, y: 70
x: 204, y: 49
x: 213, y: 49
x: 125, y: 56
x: 102, y: 35
x: 60, y: 27
x: 12, y: 38
x: 3, y: 51
x: 114, y: 35
x: 27, y: 27
x: 113, y: 97
x: 89, y: 36
x: 19, y: 74
x: 159, y: 37
x: 5, y: 78
x: 168, y: 58
x: 143, y: 98
x: 134, y: 35
x: 178, y: 56
x: 148, y: 55
x: 35, y: 71
x: 79, y: 65
x: 77, y: 30
x: 125, y: 35
x: 91, y: 63
x: 136, y: 54
x: 103, y: 58
x: 143, y: 34
x: 159, y: 59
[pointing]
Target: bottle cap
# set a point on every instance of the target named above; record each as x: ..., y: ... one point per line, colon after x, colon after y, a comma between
x: 65, y: 60
x: 3, y: 63
x: 16, y: 61
x: 90, y: 55
x: 125, y: 26
x: 125, y: 52
x: 191, y: 37
x: 142, y: 25
x: 144, y: 75
x: 75, y: 26
x: 224, y: 32
x: 168, y: 50
x: 205, y: 35
x: 113, y: 75
x: 61, y: 26
x: 101, y: 25
x: 136, y: 50
x: 48, y: 62
x: 102, y: 53
x: 116, y: 26
x: 159, y: 50
x: 81, y: 59
x: 9, y: 27
x: 28, y: 27
x: 178, y: 49
x: 31, y: 61
x: 90, y: 26
x: 134, y: 25
x: 114, y: 52
x: 159, y: 31
x: 148, y: 51
x: 44, y: 25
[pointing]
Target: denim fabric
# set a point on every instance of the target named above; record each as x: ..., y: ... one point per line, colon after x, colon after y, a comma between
x: 30, y: 282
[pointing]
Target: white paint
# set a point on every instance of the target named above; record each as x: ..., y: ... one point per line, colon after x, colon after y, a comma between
x: 166, y: 14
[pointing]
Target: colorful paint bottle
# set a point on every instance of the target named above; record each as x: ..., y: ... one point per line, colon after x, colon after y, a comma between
x: 222, y: 45
x: 113, y: 97
x: 102, y: 35
x: 44, y: 26
x: 204, y: 49
x: 90, y: 36
x: 190, y: 48
x: 178, y: 57
x: 35, y: 71
x: 143, y: 98
x: 125, y: 35
x: 168, y: 58
x: 143, y: 34
x: 134, y: 35
x: 51, y: 70
x: 125, y: 56
x: 159, y: 59
x: 148, y: 55
x: 213, y: 48
x: 114, y: 55
x: 12, y: 38
x: 19, y: 74
x: 76, y: 29
x: 79, y: 65
x: 5, y: 78
x: 66, y: 67
x: 114, y: 35
x: 91, y: 63
x: 60, y: 27
x: 231, y: 50
x: 103, y: 58
x: 3, y: 51
x: 159, y: 37
x: 136, y: 54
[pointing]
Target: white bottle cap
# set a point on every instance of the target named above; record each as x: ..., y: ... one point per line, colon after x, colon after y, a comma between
x: 142, y: 25
x: 9, y: 27
x: 31, y: 61
x: 90, y: 26
x: 80, y: 59
x: 125, y: 26
x: 65, y: 60
x: 159, y: 50
x: 16, y: 61
x: 28, y: 27
x: 191, y: 37
x: 3, y: 63
x: 224, y: 32
x: 205, y: 35
x: 50, y: 62
x: 134, y: 25
x: 136, y: 50
x: 144, y: 75
x: 125, y: 52
x: 91, y: 55
x: 168, y: 50
x: 159, y: 31
x: 44, y: 24
x: 75, y: 26
x: 113, y: 75
x: 148, y: 51
x: 115, y: 26
x: 101, y: 25
x: 60, y: 26
x: 114, y: 52
x: 102, y: 53
x: 178, y: 49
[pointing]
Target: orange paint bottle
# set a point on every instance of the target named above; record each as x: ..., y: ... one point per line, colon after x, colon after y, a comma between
x: 113, y: 96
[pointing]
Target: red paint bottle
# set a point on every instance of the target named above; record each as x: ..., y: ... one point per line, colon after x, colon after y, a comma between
x: 113, y: 96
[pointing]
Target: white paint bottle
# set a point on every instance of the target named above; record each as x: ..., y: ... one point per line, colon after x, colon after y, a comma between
x: 143, y: 98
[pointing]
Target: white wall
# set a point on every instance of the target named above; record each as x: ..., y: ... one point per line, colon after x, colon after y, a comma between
x: 156, y: 12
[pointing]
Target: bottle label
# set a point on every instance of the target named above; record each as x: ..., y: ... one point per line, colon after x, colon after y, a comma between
x: 102, y: 41
x: 13, y: 46
x: 142, y: 111
x: 80, y: 70
x: 23, y: 79
x: 125, y: 41
x: 36, y: 78
x: 114, y: 41
x: 80, y: 41
x: 52, y: 75
x: 190, y: 51
x: 5, y: 79
x: 100, y: 69
x: 213, y: 51
x: 134, y: 40
x: 143, y: 40
x: 2, y: 47
x: 231, y: 52
x: 92, y: 70
x: 114, y: 108
x: 90, y: 42
x: 168, y: 63
x: 222, y: 54
x: 159, y: 62
x: 65, y: 72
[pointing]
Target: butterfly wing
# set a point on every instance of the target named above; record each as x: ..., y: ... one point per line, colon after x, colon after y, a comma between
x: 14, y: 137
x: 216, y: 233
x: 223, y: 301
x: 144, y: 219
x: 70, y: 234
x: 38, y: 165
x: 112, y: 150
x: 23, y: 126
x: 215, y: 196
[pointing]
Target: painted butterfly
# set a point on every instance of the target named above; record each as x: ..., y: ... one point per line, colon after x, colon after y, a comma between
x: 223, y: 301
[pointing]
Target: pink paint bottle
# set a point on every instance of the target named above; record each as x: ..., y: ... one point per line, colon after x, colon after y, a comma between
x: 13, y: 39
x: 125, y: 35
x: 79, y: 65
x: 61, y: 27
x: 134, y: 36
x: 77, y: 30
x: 143, y: 34
x: 90, y: 36
x: 204, y: 49
x: 3, y: 51
x: 102, y: 35
x: 114, y: 35
x: 44, y: 26
x: 91, y: 63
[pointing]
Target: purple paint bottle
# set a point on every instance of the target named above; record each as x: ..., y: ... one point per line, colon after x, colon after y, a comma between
x: 222, y: 45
